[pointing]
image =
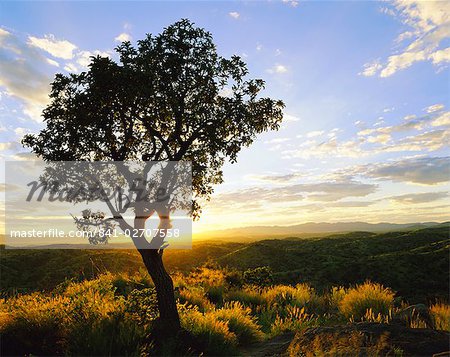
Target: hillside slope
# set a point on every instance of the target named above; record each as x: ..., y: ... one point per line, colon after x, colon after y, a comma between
x: 414, y: 263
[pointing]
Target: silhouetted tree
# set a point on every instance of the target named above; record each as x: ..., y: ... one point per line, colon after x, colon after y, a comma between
x: 170, y: 98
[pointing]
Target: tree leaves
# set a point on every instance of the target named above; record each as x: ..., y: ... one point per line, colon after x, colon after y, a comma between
x: 161, y: 101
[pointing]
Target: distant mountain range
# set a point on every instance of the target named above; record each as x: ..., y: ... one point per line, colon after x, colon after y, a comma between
x: 311, y: 228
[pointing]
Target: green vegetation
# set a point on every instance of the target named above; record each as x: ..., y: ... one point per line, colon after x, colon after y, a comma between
x: 414, y: 264
x: 117, y: 313
x: 337, y: 294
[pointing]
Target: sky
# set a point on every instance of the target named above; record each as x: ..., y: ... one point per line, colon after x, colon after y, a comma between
x: 366, y: 127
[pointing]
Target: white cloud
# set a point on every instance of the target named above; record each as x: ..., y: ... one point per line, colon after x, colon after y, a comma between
x: 382, y: 138
x: 429, y: 27
x: 409, y: 117
x: 123, y: 37
x: 440, y: 56
x: 12, y: 145
x: 83, y: 58
x: 20, y: 74
x: 234, y: 14
x: 370, y: 69
x: 434, y: 108
x: 259, y: 47
x: 276, y: 141
x: 57, y: 48
x: 428, y: 171
x: 293, y: 3
x: 287, y: 118
x: 415, y: 198
x: 278, y: 68
x: 52, y: 62
x: 313, y: 134
x: 442, y: 120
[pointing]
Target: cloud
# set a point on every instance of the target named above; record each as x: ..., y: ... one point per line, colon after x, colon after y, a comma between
x: 327, y: 148
x: 382, y: 138
x: 277, y: 178
x: 277, y: 141
x: 234, y: 14
x: 278, y: 68
x: 430, y: 132
x: 434, y: 108
x: 280, y: 194
x: 318, y: 192
x: 23, y: 67
x: 416, y: 198
x: 441, y: 120
x: 123, y: 37
x: 427, y: 171
x: 313, y: 134
x: 293, y: 3
x: 288, y: 118
x: 371, y: 68
x: 52, y: 62
x: 428, y: 141
x: 57, y: 48
x: 83, y: 58
x: 429, y: 27
x: 21, y: 73
x: 12, y: 145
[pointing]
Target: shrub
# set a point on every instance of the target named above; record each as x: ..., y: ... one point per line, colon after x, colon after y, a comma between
x: 215, y: 294
x: 206, y: 276
x: 213, y: 335
x: 440, y: 314
x: 282, y: 295
x: 296, y: 319
x: 246, y: 296
x: 85, y: 318
x: 234, y: 279
x: 240, y: 322
x: 142, y: 305
x: 336, y: 296
x: 261, y: 276
x: 357, y: 301
x: 115, y: 334
x: 196, y: 297
x: 33, y: 324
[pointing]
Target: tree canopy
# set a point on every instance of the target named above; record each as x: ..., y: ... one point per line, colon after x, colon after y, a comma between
x: 172, y: 97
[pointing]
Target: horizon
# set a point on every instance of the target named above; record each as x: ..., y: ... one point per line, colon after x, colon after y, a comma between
x: 367, y: 121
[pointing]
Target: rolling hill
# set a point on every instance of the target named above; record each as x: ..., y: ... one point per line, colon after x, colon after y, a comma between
x: 415, y: 263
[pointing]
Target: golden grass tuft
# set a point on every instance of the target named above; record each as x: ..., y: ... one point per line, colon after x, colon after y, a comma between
x: 368, y: 299
x: 440, y: 314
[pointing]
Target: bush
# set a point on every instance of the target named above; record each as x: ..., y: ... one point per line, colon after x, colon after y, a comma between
x: 440, y: 314
x: 33, y: 324
x: 85, y: 318
x: 213, y: 335
x: 261, y: 276
x: 142, y: 305
x: 281, y: 295
x: 366, y: 298
x: 246, y: 296
x: 196, y: 297
x: 240, y: 322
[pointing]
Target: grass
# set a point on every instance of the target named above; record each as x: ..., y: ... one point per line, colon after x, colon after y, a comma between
x: 367, y: 301
x: 97, y: 302
x: 116, y: 313
x: 440, y: 314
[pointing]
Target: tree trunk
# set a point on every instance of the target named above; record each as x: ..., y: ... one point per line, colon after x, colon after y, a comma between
x: 168, y: 313
x: 169, y: 320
